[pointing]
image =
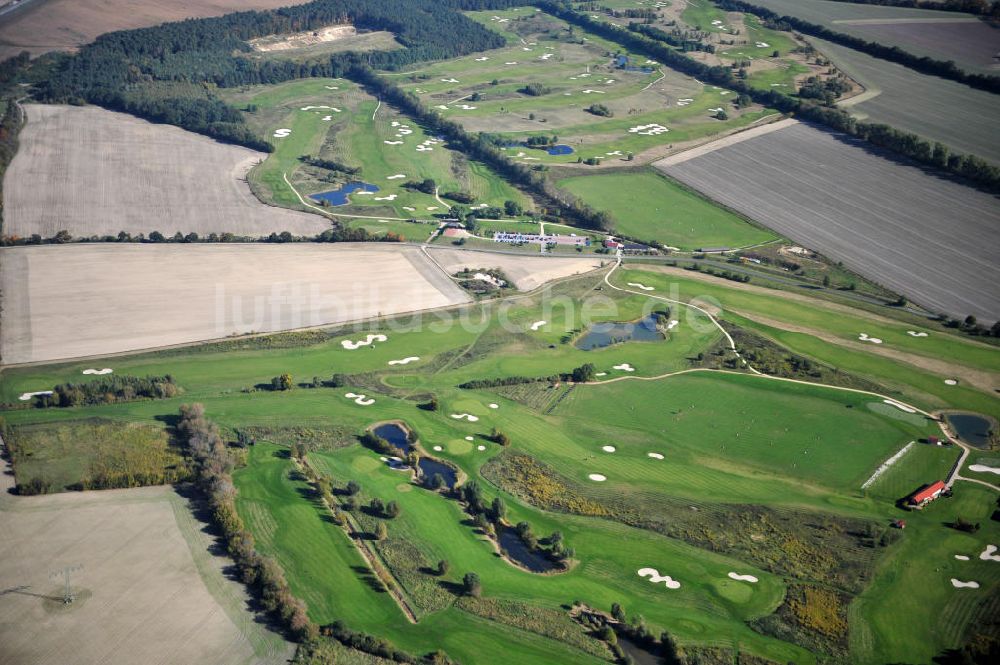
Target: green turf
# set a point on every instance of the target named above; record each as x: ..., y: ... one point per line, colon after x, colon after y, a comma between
x: 651, y: 207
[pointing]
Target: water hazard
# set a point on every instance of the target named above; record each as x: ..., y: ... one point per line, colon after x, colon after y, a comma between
x: 396, y: 435
x: 600, y: 335
x: 338, y: 197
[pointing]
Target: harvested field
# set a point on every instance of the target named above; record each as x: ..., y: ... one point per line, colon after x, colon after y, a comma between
x: 925, y: 237
x: 954, y: 114
x: 82, y: 300
x: 106, y: 172
x: 149, y: 590
x: 527, y: 272
x: 970, y: 42
x: 62, y: 25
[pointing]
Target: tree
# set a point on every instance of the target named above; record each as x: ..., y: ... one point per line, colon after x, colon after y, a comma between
x: 392, y: 509
x: 381, y: 531
x: 471, y: 585
x: 584, y: 373
x: 353, y: 487
x: 498, y: 509
x: 338, y: 380
x: 62, y: 237
x: 512, y: 208
x: 442, y: 567
x: 826, y: 280
x: 376, y: 506
x: 496, y: 436
x: 282, y: 382
x: 437, y: 482
x: 618, y: 612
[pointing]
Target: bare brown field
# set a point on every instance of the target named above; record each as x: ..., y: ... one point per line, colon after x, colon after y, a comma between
x: 95, y: 172
x: 149, y: 591
x: 526, y: 271
x: 918, y: 234
x: 84, y: 300
x: 62, y: 25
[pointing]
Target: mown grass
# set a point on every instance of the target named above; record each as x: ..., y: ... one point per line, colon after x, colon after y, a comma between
x: 651, y: 207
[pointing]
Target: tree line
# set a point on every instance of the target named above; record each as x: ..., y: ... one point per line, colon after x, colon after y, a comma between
x: 109, y: 390
x: 339, y: 234
x: 946, y: 69
x: 973, y: 168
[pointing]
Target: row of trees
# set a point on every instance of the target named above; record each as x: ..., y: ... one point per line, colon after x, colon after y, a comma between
x: 944, y: 68
x: 339, y: 234
x: 110, y: 389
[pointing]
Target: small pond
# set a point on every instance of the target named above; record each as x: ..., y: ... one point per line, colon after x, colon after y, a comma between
x: 560, y: 149
x: 600, y: 335
x: 396, y: 435
x: 519, y: 552
x: 338, y: 197
x: 970, y: 428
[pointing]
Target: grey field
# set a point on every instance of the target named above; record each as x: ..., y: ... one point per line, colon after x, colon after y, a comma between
x: 930, y: 239
x: 95, y: 172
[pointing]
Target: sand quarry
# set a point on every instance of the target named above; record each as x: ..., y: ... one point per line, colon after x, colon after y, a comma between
x: 129, y: 297
x: 106, y: 172
x: 148, y: 580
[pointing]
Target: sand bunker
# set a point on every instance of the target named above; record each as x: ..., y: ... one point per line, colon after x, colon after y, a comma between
x: 405, y: 361
x: 601, y: 374
x: 625, y: 367
x: 480, y: 448
x: 961, y: 557
x: 350, y: 346
x: 282, y: 133
x: 482, y: 59
x: 958, y: 584
x: 438, y: 449
x: 597, y: 477
x: 466, y: 416
x: 493, y: 406
x: 652, y: 129
x: 742, y: 578
x: 914, y: 333
x: 975, y: 468
x: 387, y: 142
x: 590, y: 92
x: 361, y: 400
x: 673, y: 324
x: 637, y: 284
x: 655, y: 455
x: 901, y: 407
x: 106, y: 370
x: 390, y: 197
x: 467, y: 107
x: 654, y: 576
x: 950, y: 382
x: 510, y: 63
x: 26, y: 396
x: 470, y: 438
x: 322, y: 106
x: 865, y: 338
x: 988, y: 554
x: 608, y: 449
x: 538, y: 324
x: 396, y: 177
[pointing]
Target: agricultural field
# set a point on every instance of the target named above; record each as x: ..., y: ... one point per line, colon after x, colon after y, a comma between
x: 648, y: 206
x: 970, y: 42
x: 108, y: 172
x: 144, y: 574
x: 63, y: 25
x: 938, y: 110
x: 335, y: 120
x: 880, y: 217
x: 651, y: 107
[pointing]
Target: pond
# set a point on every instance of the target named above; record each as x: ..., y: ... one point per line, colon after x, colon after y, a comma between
x: 396, y: 435
x: 560, y: 149
x: 515, y: 548
x: 600, y: 335
x: 971, y: 428
x: 338, y: 197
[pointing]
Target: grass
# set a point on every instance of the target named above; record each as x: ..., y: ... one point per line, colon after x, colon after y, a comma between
x: 651, y: 207
x: 700, y: 14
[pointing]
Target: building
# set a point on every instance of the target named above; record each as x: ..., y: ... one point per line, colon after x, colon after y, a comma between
x: 539, y: 239
x: 925, y: 495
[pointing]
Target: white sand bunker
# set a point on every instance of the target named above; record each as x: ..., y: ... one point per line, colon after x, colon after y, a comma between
x: 979, y: 468
x: 652, y: 129
x: 608, y: 449
x: 470, y: 438
x: 387, y: 142
x: 332, y: 87
x: 467, y: 107
x: 655, y: 455
x: 545, y: 56
x: 961, y: 557
x: 654, y: 576
x: 482, y: 59
x: 106, y: 370
x: 361, y: 400
x: 350, y: 346
x: 466, y: 416
x: 396, y: 177
x: 282, y: 133
x: 538, y: 324
x: 390, y: 197
x: 673, y: 324
x: 958, y: 584
x: 865, y: 338
x: 409, y: 208
x: 601, y: 374
x: 591, y: 92
x: 597, y: 477
x: 438, y: 449
x: 901, y: 407
x: 742, y: 578
x: 625, y: 367
x: 480, y: 448
x: 950, y: 382
x: 405, y: 361
x: 493, y: 406
x: 323, y: 106
x: 989, y: 554
x: 26, y: 396
x: 914, y: 333
x: 510, y: 63
x: 762, y: 45
x: 449, y: 80
x: 637, y: 284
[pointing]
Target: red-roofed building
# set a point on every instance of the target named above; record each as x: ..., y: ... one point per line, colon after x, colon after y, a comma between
x: 924, y: 496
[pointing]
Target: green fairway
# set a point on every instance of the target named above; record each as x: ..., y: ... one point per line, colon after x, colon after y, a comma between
x: 650, y: 207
